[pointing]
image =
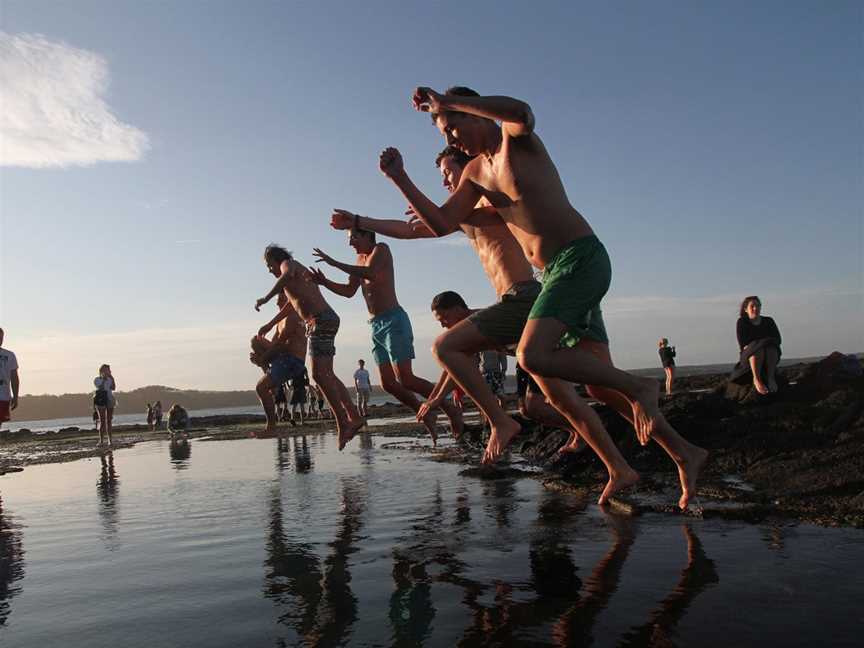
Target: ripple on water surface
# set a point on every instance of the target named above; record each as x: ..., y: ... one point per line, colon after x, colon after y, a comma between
x: 289, y: 542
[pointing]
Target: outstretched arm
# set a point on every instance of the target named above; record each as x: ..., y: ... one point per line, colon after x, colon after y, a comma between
x: 345, y: 290
x: 515, y: 116
x: 284, y: 278
x: 441, y: 220
x: 282, y: 314
x: 343, y: 220
x: 445, y: 385
x: 355, y: 271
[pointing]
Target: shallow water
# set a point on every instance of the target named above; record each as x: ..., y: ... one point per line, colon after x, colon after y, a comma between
x: 269, y: 543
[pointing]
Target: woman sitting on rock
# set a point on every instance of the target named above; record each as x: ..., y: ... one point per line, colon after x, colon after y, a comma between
x: 759, y: 341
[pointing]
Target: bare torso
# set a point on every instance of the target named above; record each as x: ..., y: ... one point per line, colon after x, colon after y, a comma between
x: 499, y: 252
x: 291, y: 334
x: 379, y: 291
x: 523, y: 185
x: 304, y: 294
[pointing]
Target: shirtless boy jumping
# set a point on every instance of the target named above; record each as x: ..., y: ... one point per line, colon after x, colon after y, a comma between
x: 322, y: 324
x: 514, y: 173
x: 392, y: 336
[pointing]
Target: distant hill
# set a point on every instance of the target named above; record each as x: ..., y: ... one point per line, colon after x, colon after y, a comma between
x: 47, y: 406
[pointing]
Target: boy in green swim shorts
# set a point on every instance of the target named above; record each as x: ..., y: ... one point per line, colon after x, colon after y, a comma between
x: 514, y: 172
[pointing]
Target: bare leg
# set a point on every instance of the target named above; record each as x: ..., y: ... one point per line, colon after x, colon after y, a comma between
x: 265, y: 395
x: 538, y: 409
x: 670, y: 376
x: 688, y: 458
x: 348, y: 421
x: 103, y: 423
x: 418, y: 385
x: 539, y: 354
x: 756, y: 362
x: 394, y: 387
x: 455, y: 351
x: 772, y: 357
x: 109, y: 427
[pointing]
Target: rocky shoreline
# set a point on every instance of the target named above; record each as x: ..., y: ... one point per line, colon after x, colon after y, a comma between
x: 796, y: 455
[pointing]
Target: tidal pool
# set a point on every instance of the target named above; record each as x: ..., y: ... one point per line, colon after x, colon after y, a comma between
x: 292, y: 543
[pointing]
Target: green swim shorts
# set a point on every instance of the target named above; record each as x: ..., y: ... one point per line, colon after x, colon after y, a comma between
x: 574, y: 282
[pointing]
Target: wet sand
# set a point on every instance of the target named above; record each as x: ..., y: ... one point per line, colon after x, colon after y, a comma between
x: 794, y: 455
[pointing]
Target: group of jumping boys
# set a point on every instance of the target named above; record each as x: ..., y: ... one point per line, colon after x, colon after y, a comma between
x: 506, y: 196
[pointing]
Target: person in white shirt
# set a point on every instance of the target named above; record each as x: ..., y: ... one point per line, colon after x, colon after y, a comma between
x: 104, y: 401
x: 363, y: 388
x: 8, y: 382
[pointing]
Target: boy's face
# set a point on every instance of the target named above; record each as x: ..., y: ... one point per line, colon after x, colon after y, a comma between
x: 273, y: 267
x: 451, y: 173
x: 360, y: 241
x: 460, y: 130
x: 450, y: 317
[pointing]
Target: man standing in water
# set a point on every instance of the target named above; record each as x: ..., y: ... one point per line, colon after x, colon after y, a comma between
x: 8, y: 382
x: 322, y: 324
x: 515, y: 174
x: 392, y: 336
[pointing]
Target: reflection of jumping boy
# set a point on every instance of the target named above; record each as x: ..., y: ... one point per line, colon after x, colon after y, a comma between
x: 322, y: 324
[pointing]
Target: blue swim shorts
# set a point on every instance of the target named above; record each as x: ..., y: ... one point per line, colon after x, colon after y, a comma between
x: 392, y: 337
x: 285, y: 367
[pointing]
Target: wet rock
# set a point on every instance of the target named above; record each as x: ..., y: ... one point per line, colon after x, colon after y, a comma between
x: 69, y: 430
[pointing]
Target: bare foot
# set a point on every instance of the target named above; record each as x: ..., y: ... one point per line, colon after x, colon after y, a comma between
x: 499, y: 440
x: 348, y: 431
x: 759, y: 386
x: 618, y: 483
x: 574, y: 444
x: 430, y: 423
x: 688, y: 474
x: 646, y: 412
x: 457, y: 424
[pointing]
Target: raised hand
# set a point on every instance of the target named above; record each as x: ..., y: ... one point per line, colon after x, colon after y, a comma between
x: 322, y: 257
x: 316, y: 276
x: 342, y: 219
x: 390, y: 162
x: 426, y: 100
x: 259, y: 303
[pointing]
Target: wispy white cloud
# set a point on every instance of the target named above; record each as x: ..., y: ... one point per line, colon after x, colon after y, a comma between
x: 53, y: 111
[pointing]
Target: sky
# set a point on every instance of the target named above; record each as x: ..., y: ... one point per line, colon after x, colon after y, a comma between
x: 150, y: 151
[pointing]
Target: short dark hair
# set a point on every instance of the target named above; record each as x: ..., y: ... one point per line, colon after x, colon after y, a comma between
x: 458, y: 91
x: 276, y: 253
x: 742, y: 312
x: 448, y: 299
x: 365, y: 232
x: 460, y: 157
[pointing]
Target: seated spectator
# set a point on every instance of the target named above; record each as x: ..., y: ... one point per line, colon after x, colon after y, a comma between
x: 759, y: 343
x: 178, y: 421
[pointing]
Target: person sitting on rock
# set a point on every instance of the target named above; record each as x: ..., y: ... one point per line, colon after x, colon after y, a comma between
x: 759, y: 343
x: 178, y: 421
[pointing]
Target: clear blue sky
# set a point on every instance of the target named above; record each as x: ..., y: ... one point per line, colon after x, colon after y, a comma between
x: 715, y: 149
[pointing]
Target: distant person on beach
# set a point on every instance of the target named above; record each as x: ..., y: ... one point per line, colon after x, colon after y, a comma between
x: 363, y: 388
x: 157, y: 415
x: 150, y: 416
x: 322, y: 324
x: 667, y: 359
x: 759, y: 345
x: 9, y: 382
x: 299, y: 385
x: 513, y: 171
x: 392, y: 335
x: 105, y: 401
x: 178, y: 421
x: 280, y: 358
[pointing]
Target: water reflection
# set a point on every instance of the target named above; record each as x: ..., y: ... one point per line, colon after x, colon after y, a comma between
x: 11, y: 562
x: 314, y: 595
x: 180, y: 450
x: 696, y: 577
x: 106, y: 488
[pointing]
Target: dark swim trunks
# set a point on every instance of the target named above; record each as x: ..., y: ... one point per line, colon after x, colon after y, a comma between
x: 321, y: 331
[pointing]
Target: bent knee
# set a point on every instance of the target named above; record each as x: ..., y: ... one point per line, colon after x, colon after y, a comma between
x: 530, y: 359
